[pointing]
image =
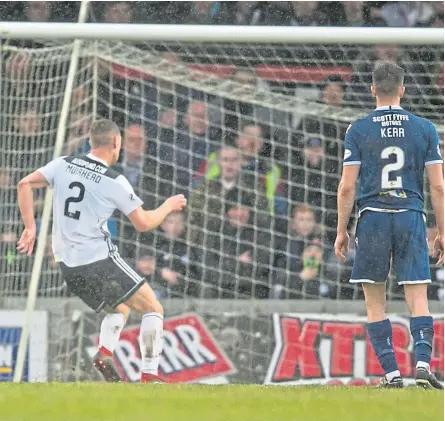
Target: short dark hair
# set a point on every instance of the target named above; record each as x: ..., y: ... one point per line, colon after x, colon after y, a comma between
x: 387, y: 79
x: 337, y: 79
x: 102, y: 132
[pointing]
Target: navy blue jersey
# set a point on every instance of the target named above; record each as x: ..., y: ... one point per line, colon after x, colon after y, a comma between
x: 392, y: 147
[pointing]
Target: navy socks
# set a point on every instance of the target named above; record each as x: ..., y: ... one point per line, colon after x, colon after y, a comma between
x: 380, y: 334
x: 422, y: 331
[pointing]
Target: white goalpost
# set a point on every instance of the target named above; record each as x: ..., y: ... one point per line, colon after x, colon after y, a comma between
x: 221, y: 33
x: 47, y: 206
x: 147, y: 78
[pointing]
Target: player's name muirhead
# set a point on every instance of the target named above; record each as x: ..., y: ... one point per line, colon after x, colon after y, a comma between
x: 84, y: 173
x: 89, y: 165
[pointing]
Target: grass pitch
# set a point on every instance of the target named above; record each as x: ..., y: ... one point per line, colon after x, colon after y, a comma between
x: 138, y: 402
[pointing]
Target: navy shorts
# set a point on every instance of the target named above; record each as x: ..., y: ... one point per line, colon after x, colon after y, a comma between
x: 398, y: 239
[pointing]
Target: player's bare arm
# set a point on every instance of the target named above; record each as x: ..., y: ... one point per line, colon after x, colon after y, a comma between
x: 345, y: 203
x: 435, y: 177
x: 147, y: 220
x: 35, y: 180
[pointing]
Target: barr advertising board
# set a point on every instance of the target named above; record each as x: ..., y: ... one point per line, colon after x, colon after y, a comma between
x: 282, y: 349
x: 190, y: 353
x: 36, y: 367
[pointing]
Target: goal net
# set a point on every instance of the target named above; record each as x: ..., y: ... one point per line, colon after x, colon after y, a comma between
x: 251, y: 134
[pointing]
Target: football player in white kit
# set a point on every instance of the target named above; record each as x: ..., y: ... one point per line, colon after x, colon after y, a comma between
x: 86, y: 193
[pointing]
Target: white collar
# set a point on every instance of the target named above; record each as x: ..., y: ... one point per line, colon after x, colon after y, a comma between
x: 95, y: 158
x: 228, y: 185
x: 389, y: 107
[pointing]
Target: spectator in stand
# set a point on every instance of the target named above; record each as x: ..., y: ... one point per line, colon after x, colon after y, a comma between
x: 210, y: 13
x: 230, y: 113
x: 29, y: 145
x: 79, y: 123
x: 230, y: 232
x: 146, y: 266
x: 143, y: 101
x: 171, y: 95
x: 167, y: 264
x: 150, y: 180
x: 168, y: 119
x: 17, y: 87
x: 269, y: 13
x: 302, y: 279
x: 243, y: 12
x: 372, y: 14
x: 299, y: 258
x: 135, y: 143
x: 161, y: 97
x: 46, y: 11
x: 303, y: 230
x: 22, y: 89
x: 250, y: 142
x: 189, y: 146
x: 311, y: 183
x: 304, y: 13
x: 37, y: 11
x: 332, y: 93
x: 354, y: 13
x: 262, y: 13
x: 139, y: 165
x: 317, y: 13
x: 436, y: 20
x: 118, y: 12
x: 402, y: 13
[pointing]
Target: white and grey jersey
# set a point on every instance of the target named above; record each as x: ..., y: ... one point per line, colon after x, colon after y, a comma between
x: 86, y: 193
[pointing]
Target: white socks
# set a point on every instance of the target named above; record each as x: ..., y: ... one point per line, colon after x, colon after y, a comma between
x: 423, y: 364
x: 396, y: 373
x: 150, y: 342
x: 390, y: 376
x: 110, y: 331
x: 150, y: 338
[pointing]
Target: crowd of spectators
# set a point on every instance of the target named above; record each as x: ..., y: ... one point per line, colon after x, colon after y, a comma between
x: 261, y: 182
x: 297, y: 13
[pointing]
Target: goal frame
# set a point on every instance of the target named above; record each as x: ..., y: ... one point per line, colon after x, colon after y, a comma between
x: 208, y: 33
x: 47, y: 204
x: 186, y: 33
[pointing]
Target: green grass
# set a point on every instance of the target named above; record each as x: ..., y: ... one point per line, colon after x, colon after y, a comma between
x: 134, y: 402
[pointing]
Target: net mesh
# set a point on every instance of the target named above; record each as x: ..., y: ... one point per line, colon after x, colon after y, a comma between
x: 268, y: 120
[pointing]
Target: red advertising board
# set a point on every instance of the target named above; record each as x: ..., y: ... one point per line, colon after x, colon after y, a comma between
x: 190, y: 353
x: 335, y: 349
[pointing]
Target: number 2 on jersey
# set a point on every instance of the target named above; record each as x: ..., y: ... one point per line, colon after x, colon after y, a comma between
x: 74, y: 199
x: 394, y: 166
